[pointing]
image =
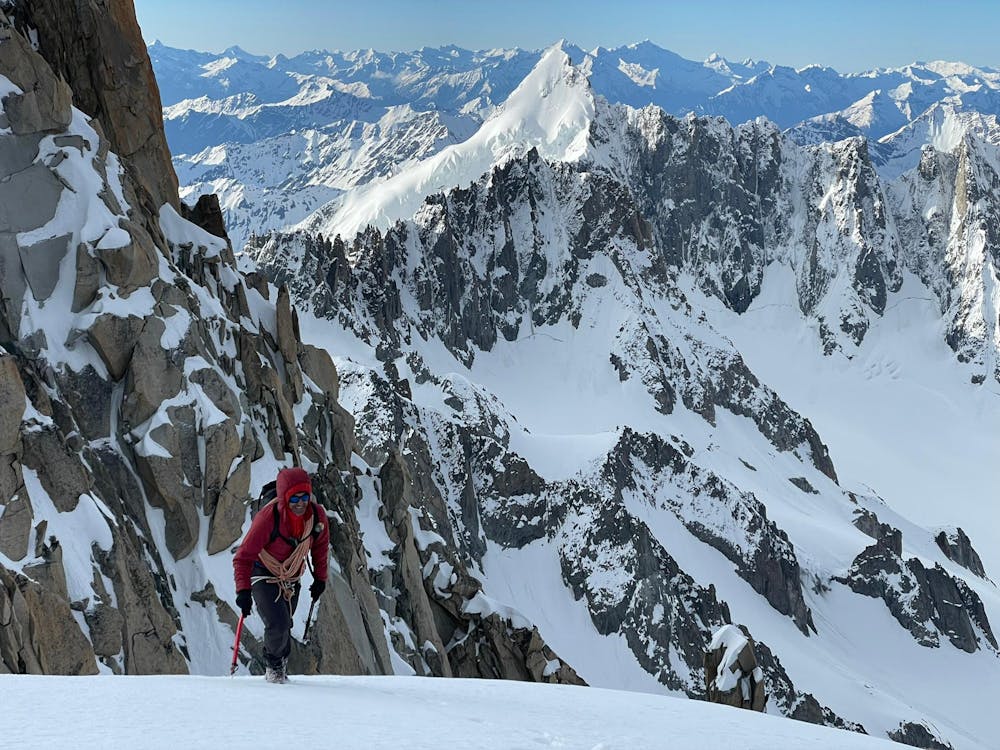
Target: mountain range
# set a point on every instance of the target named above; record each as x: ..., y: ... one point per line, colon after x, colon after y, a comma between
x: 566, y: 321
x: 325, y: 122
x: 581, y: 378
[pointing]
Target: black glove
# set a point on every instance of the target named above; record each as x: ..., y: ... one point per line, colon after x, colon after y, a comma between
x: 316, y: 588
x: 244, y: 600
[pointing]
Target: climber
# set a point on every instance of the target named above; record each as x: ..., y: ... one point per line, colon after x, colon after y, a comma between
x: 272, y: 558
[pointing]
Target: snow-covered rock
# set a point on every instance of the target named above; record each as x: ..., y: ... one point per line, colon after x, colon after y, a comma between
x: 150, y: 390
x: 732, y: 676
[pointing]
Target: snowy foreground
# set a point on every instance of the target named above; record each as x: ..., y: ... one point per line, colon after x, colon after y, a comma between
x: 381, y: 712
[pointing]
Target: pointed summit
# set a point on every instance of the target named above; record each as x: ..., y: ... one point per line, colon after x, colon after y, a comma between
x: 549, y: 111
x: 238, y: 53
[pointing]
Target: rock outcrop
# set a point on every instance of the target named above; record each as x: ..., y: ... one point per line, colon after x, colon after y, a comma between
x: 463, y: 631
x: 97, y: 49
x: 929, y: 602
x: 917, y: 734
x: 732, y: 676
x: 958, y: 548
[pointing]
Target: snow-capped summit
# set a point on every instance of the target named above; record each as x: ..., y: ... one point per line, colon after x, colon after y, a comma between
x: 463, y: 88
x: 876, y: 113
x: 745, y: 69
x: 550, y: 111
x: 238, y: 53
x: 942, y: 127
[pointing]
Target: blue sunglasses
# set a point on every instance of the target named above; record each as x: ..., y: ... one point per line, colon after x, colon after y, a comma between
x: 300, y: 497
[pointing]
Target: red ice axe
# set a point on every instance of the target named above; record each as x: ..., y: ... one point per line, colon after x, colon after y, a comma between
x: 236, y: 646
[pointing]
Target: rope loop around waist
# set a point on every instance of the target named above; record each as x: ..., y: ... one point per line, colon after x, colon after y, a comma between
x: 285, y: 573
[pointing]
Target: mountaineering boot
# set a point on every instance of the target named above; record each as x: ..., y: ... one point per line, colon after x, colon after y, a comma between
x: 283, y: 671
x: 276, y: 675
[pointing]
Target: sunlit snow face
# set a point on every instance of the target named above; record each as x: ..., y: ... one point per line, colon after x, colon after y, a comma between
x: 298, y: 503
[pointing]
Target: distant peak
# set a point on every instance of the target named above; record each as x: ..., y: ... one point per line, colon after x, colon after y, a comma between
x: 813, y: 66
x: 236, y: 52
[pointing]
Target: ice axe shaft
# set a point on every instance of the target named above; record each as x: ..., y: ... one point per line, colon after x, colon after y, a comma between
x: 309, y: 617
x: 236, y: 646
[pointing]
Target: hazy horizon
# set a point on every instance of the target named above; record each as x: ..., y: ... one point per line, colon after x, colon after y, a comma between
x: 728, y: 58
x: 857, y: 37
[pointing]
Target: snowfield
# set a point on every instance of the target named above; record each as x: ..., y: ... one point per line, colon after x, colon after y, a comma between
x: 383, y: 712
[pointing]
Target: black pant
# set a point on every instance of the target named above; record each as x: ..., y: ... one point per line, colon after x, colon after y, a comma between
x: 276, y: 613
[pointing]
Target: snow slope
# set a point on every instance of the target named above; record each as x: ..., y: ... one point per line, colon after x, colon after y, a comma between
x: 901, y: 416
x: 383, y: 713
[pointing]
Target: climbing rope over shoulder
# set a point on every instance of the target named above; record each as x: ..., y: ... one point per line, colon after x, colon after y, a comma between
x: 286, y: 573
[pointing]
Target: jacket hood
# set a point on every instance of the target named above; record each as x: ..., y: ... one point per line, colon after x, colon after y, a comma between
x: 289, y: 482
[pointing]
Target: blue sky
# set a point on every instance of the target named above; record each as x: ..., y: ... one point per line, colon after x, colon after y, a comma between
x: 848, y: 35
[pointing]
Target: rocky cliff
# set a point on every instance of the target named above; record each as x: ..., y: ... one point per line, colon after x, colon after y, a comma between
x: 97, y: 48
x: 151, y: 389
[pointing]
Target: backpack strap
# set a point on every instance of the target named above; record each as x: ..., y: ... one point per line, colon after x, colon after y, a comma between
x: 275, y: 530
x: 317, y: 524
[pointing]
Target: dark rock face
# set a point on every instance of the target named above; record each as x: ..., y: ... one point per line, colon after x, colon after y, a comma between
x: 762, y: 554
x: 918, y: 735
x: 957, y: 547
x: 657, y: 606
x: 464, y: 635
x: 926, y: 601
x: 947, y: 203
x: 721, y: 198
x: 207, y: 214
x: 704, y: 181
x: 868, y: 522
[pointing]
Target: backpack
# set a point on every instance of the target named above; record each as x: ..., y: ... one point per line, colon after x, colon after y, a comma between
x: 267, y: 493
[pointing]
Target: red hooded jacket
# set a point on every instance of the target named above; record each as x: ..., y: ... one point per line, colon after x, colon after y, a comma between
x: 290, y: 481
